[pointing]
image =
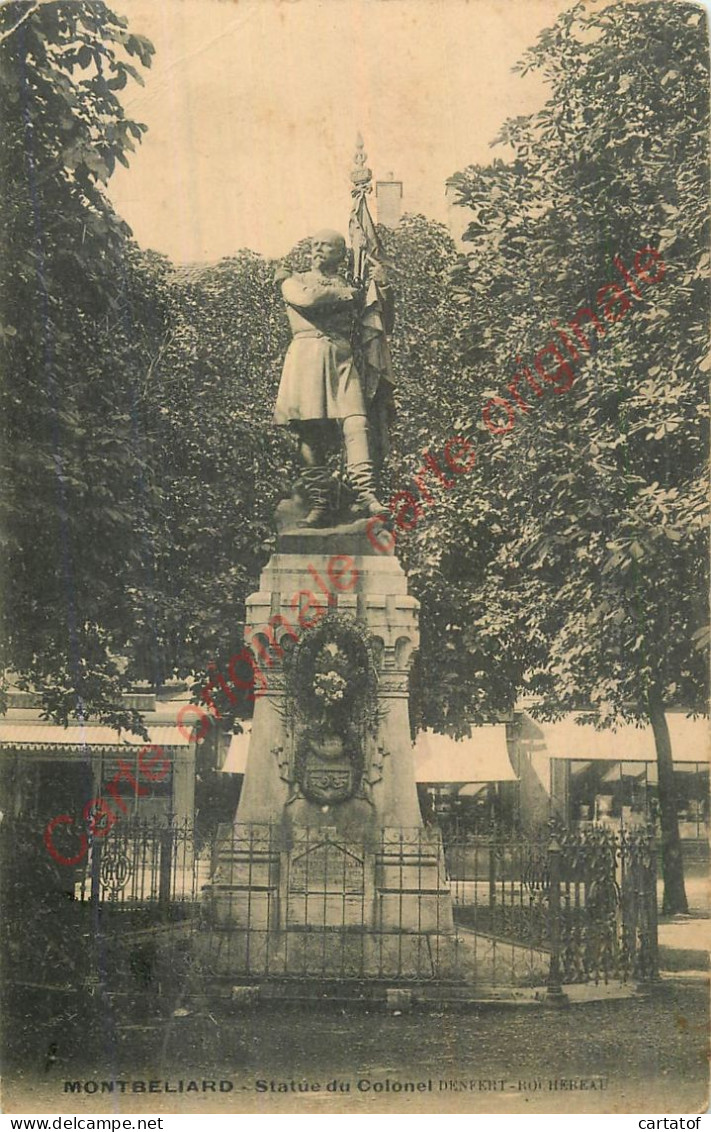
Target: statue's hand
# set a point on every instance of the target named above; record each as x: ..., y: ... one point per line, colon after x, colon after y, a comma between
x: 378, y: 274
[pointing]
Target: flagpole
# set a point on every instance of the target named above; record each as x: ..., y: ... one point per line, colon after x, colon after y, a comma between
x: 361, y: 228
x: 370, y: 347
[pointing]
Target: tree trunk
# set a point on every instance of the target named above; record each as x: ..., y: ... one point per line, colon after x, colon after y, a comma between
x: 672, y: 864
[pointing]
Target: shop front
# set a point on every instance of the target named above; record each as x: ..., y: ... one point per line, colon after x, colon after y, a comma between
x: 48, y: 771
x: 610, y: 778
x: 467, y: 784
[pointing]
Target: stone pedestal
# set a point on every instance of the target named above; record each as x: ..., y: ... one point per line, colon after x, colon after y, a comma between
x: 328, y: 871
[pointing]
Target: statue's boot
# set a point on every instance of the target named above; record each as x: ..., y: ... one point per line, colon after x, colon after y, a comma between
x: 317, y: 483
x: 359, y: 465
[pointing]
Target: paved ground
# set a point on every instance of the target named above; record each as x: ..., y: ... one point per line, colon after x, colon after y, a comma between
x: 684, y: 941
x: 684, y: 944
x: 633, y: 1054
x: 698, y: 893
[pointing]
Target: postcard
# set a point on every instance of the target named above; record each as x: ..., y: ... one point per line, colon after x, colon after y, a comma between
x: 353, y: 735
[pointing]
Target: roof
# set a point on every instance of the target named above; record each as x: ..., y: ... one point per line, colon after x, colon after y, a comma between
x: 565, y: 739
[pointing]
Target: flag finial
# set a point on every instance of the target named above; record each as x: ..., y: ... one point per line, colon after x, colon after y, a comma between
x: 361, y: 175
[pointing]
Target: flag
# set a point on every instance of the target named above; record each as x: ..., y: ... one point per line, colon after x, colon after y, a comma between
x: 377, y: 313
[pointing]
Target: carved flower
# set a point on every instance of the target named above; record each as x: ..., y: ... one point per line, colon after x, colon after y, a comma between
x: 330, y: 687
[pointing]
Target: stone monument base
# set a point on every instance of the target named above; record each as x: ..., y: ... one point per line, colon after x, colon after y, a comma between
x: 328, y: 873
x: 309, y: 903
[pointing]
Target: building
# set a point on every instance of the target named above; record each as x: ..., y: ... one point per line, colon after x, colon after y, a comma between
x: 524, y: 772
x: 585, y: 775
x: 469, y: 781
x: 47, y: 770
x: 520, y: 773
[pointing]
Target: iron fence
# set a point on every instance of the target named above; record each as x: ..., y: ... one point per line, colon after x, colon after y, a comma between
x: 154, y: 906
x: 588, y: 897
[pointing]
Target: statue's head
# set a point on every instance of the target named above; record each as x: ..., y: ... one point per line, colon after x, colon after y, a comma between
x: 328, y: 250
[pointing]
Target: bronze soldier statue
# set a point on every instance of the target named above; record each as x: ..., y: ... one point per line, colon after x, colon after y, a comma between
x: 321, y: 393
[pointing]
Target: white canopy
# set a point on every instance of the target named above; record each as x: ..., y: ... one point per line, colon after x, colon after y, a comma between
x: 565, y: 739
x: 236, y: 758
x: 21, y: 736
x: 481, y: 757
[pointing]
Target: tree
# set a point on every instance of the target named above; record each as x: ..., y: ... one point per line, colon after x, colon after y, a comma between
x: 218, y: 467
x: 606, y: 548
x: 81, y: 310
x: 468, y: 669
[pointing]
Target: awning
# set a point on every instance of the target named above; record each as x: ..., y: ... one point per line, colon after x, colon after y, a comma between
x: 23, y: 736
x: 482, y: 757
x: 565, y: 739
x: 236, y: 758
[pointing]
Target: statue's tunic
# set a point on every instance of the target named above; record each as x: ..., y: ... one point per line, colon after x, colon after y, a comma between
x: 319, y: 380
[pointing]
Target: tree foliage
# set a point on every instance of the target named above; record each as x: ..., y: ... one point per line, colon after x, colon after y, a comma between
x: 614, y: 470
x: 219, y: 465
x: 606, y: 546
x: 463, y: 673
x: 79, y: 314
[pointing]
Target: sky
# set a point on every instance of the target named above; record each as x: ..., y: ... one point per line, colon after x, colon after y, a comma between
x: 253, y: 107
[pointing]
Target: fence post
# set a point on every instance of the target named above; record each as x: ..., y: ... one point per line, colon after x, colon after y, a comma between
x: 492, y: 871
x: 555, y: 995
x: 95, y: 897
x: 649, y: 959
x: 165, y: 867
x: 92, y: 981
x: 653, y: 925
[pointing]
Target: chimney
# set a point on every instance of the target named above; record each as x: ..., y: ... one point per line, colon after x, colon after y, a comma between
x: 388, y: 197
x: 458, y: 216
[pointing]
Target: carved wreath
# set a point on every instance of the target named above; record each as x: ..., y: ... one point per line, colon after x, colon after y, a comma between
x: 331, y: 676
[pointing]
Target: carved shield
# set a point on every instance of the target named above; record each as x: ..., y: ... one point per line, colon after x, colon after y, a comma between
x: 326, y: 783
x: 325, y: 769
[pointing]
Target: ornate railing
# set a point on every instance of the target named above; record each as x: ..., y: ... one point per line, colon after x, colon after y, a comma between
x: 554, y: 907
x: 588, y: 898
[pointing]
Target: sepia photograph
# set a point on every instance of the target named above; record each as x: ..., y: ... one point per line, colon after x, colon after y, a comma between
x: 354, y: 582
